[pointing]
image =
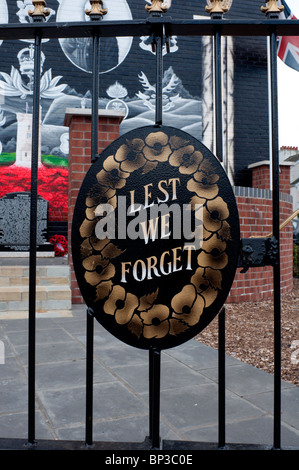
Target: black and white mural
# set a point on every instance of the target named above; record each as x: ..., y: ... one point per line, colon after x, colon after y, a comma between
x: 127, y: 80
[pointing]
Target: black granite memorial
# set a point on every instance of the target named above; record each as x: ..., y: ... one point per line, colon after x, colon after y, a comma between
x: 15, y: 223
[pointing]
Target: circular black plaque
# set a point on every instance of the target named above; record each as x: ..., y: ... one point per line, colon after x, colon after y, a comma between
x: 155, y: 237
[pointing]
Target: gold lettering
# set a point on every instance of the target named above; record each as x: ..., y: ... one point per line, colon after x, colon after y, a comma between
x: 154, y: 267
x: 132, y: 207
x: 189, y: 248
x: 152, y: 230
x: 163, y: 190
x: 147, y: 195
x: 143, y: 270
x: 162, y: 264
x: 175, y: 259
x: 174, y: 182
x: 165, y: 226
x: 124, y: 270
x: 151, y: 265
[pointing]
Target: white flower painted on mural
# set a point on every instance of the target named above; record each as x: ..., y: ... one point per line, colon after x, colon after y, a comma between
x: 117, y: 92
x: 149, y: 96
x: 13, y: 85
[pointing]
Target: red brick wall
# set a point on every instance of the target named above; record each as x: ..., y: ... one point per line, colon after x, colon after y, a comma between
x: 256, y: 219
x: 261, y: 177
x: 80, y: 161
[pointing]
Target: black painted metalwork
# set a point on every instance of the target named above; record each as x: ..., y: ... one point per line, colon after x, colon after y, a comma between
x: 221, y: 379
x: 276, y: 235
x: 89, y: 377
x: 33, y: 242
x: 143, y: 27
x: 154, y: 396
x: 253, y: 252
x: 95, y: 98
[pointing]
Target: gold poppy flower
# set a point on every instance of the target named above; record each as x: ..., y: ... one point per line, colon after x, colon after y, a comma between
x: 177, y: 142
x: 205, y: 181
x: 130, y: 156
x: 99, y: 194
x: 214, y: 260
x: 121, y: 304
x: 214, y: 244
x: 187, y: 305
x: 204, y: 287
x: 217, y: 212
x: 206, y: 187
x: 156, y: 324
x: 86, y: 248
x: 196, y: 201
x: 87, y: 228
x: 90, y: 213
x: 112, y: 176
x: 157, y: 147
x: 97, y: 270
x: 186, y: 159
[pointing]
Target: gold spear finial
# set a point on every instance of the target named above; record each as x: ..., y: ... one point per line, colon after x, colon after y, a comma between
x: 39, y: 9
x: 218, y: 7
x: 96, y: 9
x: 272, y: 7
x: 156, y: 7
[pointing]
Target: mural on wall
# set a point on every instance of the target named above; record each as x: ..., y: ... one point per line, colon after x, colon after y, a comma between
x: 127, y: 81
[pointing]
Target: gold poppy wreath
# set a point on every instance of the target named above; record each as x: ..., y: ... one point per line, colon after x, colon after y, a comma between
x: 143, y: 316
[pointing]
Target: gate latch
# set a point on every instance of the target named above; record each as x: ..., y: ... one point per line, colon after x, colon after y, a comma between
x: 258, y: 252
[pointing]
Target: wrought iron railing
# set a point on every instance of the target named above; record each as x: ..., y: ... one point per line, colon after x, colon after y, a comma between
x: 160, y: 28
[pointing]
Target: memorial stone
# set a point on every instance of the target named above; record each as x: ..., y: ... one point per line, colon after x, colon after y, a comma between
x: 15, y: 222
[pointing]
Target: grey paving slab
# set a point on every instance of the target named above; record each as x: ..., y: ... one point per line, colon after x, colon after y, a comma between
x: 256, y: 430
x: 11, y: 370
x: 53, y: 352
x: 192, y: 405
x: 189, y: 389
x: 198, y: 356
x: 135, y: 428
x: 289, y: 403
x: 66, y: 407
x: 13, y: 396
x: 15, y: 425
x: 69, y: 374
x: 243, y: 379
x: 173, y: 375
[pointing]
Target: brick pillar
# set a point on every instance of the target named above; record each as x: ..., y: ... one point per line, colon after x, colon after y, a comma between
x: 79, y: 123
x: 261, y: 175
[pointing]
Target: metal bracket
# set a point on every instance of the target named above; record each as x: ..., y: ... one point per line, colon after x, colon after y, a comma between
x: 258, y: 252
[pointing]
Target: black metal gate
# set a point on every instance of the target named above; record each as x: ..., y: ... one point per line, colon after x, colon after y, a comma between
x: 160, y: 28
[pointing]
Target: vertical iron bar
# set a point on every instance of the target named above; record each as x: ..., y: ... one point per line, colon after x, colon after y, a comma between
x: 221, y: 320
x: 89, y: 377
x: 33, y: 240
x: 276, y: 235
x: 159, y: 79
x: 154, y: 396
x: 218, y: 95
x: 221, y: 378
x: 95, y: 98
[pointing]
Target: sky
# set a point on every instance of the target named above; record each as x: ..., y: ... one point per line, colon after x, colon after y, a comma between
x: 288, y: 97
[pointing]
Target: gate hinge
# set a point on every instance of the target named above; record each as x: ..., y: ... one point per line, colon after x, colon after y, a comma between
x: 258, y: 252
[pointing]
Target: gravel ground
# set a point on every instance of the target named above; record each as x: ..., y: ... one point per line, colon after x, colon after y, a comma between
x: 249, y: 334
